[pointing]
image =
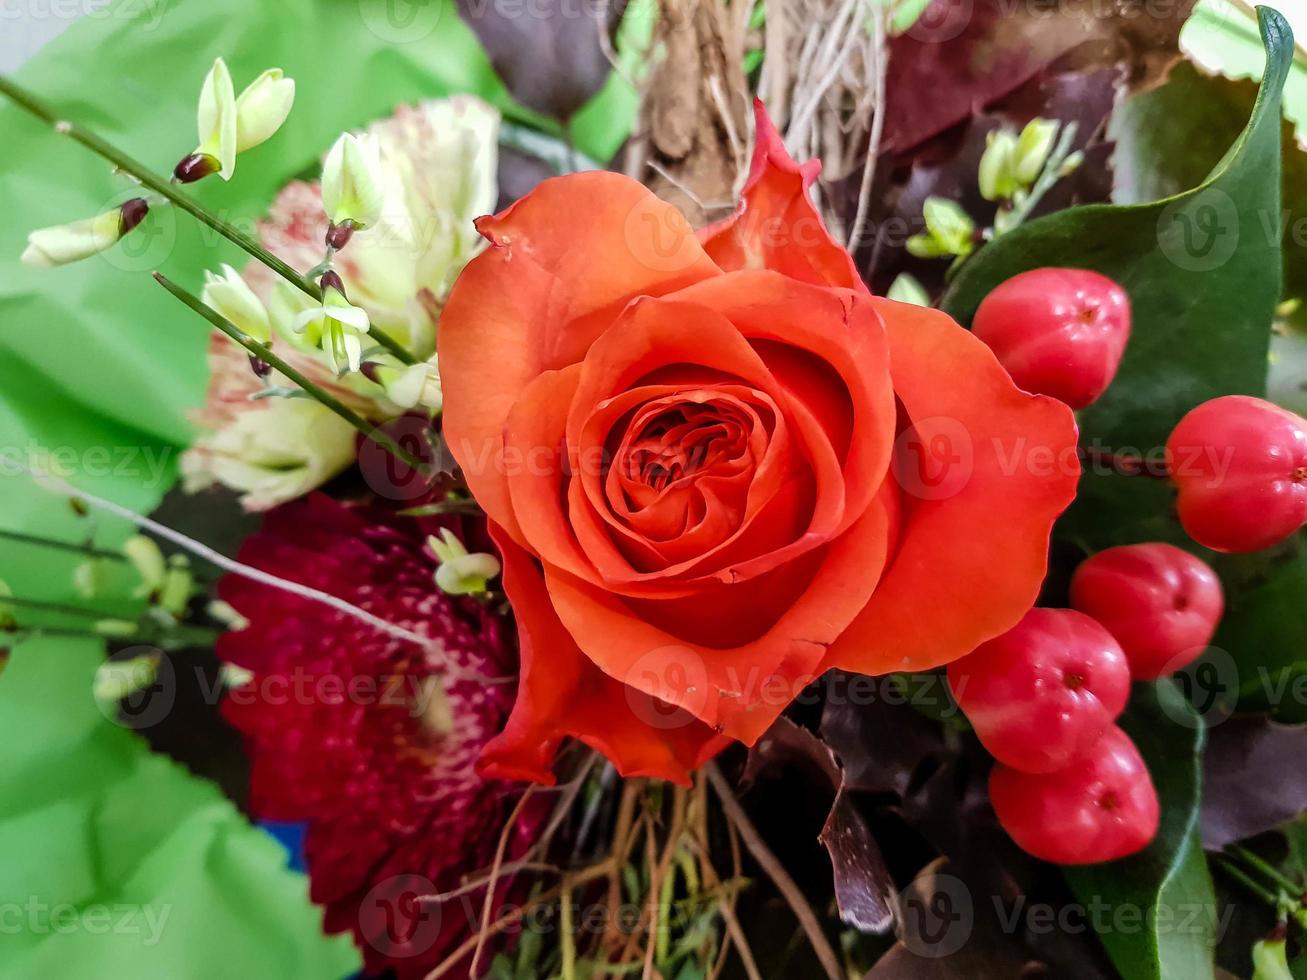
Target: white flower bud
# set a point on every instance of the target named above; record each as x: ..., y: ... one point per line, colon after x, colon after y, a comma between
x: 117, y: 679
x: 216, y: 119
x: 997, y: 177
x: 230, y: 296
x: 79, y: 240
x: 353, y: 187
x: 409, y: 386
x: 262, y: 108
x: 461, y: 573
x: 149, y: 563
x: 1033, y: 148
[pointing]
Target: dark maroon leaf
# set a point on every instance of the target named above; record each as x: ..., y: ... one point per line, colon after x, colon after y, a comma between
x: 949, y: 931
x: 864, y: 890
x: 547, y: 52
x: 1254, y: 779
x: 882, y: 747
x: 962, y: 55
x: 947, y: 167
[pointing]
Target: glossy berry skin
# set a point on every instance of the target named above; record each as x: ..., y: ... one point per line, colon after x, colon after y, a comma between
x: 1161, y: 603
x: 1100, y: 809
x: 1240, y: 466
x: 1041, y: 695
x: 1059, y: 332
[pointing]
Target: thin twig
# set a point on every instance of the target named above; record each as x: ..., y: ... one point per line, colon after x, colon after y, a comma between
x: 500, y: 848
x: 776, y: 871
x: 582, y: 877
x: 877, y: 127
x: 58, y: 485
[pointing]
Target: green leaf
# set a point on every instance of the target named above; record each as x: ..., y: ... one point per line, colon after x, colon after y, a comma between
x: 1222, y: 37
x: 1156, y: 910
x: 119, y: 864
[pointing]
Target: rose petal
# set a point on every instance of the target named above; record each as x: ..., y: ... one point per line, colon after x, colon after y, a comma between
x: 539, y: 296
x: 660, y: 335
x: 984, y: 473
x: 738, y: 690
x: 561, y: 694
x: 776, y: 225
x: 829, y: 350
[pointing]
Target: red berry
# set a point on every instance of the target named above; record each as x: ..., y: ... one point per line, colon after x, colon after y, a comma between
x: 1059, y: 332
x: 1240, y: 465
x: 1042, y: 694
x: 1100, y: 809
x: 1161, y: 603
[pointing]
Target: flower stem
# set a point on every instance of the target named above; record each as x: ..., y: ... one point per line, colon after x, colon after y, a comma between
x: 56, y: 607
x: 1266, y: 868
x: 266, y: 355
x: 89, y: 551
x: 168, y: 190
x: 1257, y: 888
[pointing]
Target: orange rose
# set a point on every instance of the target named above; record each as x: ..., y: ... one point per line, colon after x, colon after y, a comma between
x: 717, y: 467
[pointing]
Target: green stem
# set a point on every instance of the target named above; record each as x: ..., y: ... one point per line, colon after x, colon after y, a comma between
x: 89, y: 551
x: 1266, y: 868
x: 183, y: 636
x: 1257, y: 888
x: 58, y: 607
x: 567, y: 935
x: 266, y: 355
x: 168, y: 190
x: 86, y: 551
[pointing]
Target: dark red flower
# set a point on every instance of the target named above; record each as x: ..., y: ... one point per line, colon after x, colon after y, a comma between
x: 357, y: 733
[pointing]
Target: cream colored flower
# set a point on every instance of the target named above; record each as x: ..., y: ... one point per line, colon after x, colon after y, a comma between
x: 439, y: 161
x: 409, y: 386
x: 339, y: 326
x: 230, y: 296
x: 459, y: 572
x: 62, y: 244
x: 262, y: 107
x: 216, y: 119
x: 352, y: 182
x: 281, y: 451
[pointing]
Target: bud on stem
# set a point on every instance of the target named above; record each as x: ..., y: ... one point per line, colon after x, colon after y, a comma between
x: 195, y: 166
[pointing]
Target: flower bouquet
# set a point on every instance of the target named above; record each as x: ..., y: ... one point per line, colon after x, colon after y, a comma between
x: 780, y: 489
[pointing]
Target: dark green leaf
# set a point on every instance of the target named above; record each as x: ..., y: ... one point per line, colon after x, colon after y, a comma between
x: 1155, y: 912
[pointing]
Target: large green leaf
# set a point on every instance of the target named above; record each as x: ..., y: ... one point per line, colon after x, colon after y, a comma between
x: 1156, y: 910
x: 119, y: 865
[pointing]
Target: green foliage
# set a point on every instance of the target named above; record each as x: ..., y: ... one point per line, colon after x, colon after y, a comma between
x: 1157, y: 909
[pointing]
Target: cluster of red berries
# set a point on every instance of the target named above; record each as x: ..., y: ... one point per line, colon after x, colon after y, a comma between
x: 1070, y: 786
x: 1239, y: 464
